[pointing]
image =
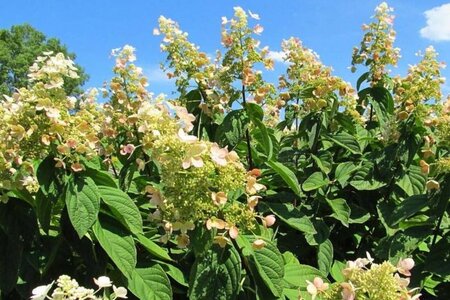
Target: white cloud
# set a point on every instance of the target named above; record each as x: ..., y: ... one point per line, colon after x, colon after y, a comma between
x: 277, y: 56
x: 156, y: 75
x: 438, y: 23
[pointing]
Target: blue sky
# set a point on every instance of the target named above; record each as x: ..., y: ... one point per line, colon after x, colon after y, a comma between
x: 331, y: 28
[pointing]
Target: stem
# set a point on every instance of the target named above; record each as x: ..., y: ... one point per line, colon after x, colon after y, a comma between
x: 438, y: 225
x: 247, y: 135
x: 136, y: 132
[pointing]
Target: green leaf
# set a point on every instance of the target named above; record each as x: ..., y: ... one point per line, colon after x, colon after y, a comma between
x: 341, y: 210
x: 325, y: 256
x: 83, y: 203
x: 266, y: 141
x: 175, y: 273
x: 292, y: 217
x: 344, y: 171
x: 367, y: 185
x: 346, y: 141
x: 358, y: 214
x: 404, y: 243
x: 321, y: 235
x: 413, y: 182
x: 408, y: 208
x: 287, y: 175
x: 118, y: 245
x: 315, y: 181
x: 361, y: 79
x: 384, y: 97
x: 216, y: 275
x: 296, y: 274
x: 101, y: 177
x: 150, y: 283
x: 255, y: 111
x: 122, y: 207
x: 438, y: 260
x: 152, y: 247
x: 232, y: 129
x: 323, y: 161
x: 268, y: 262
x: 336, y: 271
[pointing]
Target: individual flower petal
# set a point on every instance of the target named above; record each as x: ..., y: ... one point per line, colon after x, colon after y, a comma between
x: 219, y: 198
x: 269, y: 220
x: 258, y: 244
x: 233, y: 232
x: 103, y: 282
x: 221, y: 241
x: 432, y: 185
x: 40, y: 292
x: 120, y: 292
x: 404, y: 266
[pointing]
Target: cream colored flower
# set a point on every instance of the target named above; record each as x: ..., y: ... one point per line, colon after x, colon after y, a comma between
x: 103, y: 282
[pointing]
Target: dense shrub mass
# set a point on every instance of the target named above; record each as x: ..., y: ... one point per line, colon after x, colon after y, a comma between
x: 237, y: 189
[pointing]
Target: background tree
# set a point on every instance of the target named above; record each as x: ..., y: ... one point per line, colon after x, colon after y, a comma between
x: 19, y: 47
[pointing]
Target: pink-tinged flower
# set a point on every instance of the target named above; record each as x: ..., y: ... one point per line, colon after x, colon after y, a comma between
x: 127, y: 149
x: 258, y: 29
x: 427, y: 153
x: 432, y: 185
x: 120, y: 292
x: 221, y: 241
x: 71, y: 143
x: 156, y: 31
x: 402, y: 282
x: 77, y: 167
x: 424, y: 167
x: 53, y: 113
x: 103, y: 281
x: 215, y: 223
x: 269, y: 220
x: 252, y: 201
x: 140, y: 164
x: 258, y: 244
x: 252, y: 186
x: 232, y: 156
x: 185, y: 117
x: 186, y: 137
x: 233, y: 232
x: 348, y: 291
x: 45, y: 140
x: 227, y: 40
x: 316, y: 287
x: 219, y: 155
x: 60, y: 163
x: 155, y: 195
x: 219, y: 198
x: 404, y: 266
x: 183, y: 240
x: 193, y: 156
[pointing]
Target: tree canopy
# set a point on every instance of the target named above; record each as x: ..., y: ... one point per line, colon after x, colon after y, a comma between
x: 19, y: 47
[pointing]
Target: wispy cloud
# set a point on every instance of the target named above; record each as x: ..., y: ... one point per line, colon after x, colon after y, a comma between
x: 277, y: 56
x: 438, y: 23
x: 156, y: 75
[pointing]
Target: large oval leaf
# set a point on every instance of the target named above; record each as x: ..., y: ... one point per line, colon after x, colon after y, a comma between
x: 118, y: 245
x: 341, y: 210
x: 216, y: 275
x: 83, y: 203
x: 287, y: 175
x: 267, y: 262
x: 123, y: 207
x: 325, y: 256
x: 150, y: 283
x: 314, y: 182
